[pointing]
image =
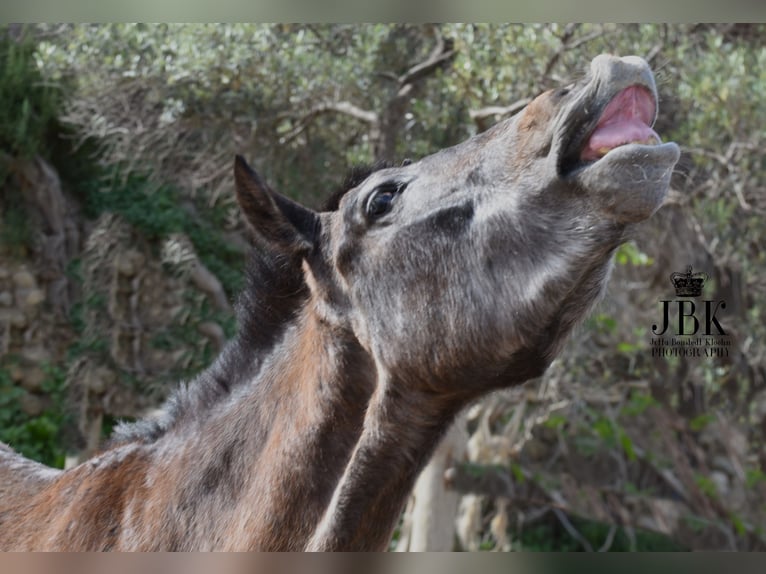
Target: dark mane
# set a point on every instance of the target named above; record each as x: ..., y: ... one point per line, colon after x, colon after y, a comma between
x: 274, y: 291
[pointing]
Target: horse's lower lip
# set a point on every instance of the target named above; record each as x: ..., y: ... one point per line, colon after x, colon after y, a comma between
x: 643, y: 151
x: 631, y: 181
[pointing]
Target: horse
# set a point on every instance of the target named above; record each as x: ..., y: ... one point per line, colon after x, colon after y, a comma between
x: 364, y: 329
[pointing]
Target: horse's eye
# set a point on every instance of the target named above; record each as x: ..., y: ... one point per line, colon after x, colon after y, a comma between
x: 382, y: 199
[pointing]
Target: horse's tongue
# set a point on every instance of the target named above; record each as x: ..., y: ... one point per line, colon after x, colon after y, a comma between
x: 627, y: 119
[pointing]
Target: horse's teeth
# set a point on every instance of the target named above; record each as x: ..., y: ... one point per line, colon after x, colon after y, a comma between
x: 651, y: 140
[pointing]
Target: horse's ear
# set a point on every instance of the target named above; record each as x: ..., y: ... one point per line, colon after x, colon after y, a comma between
x: 272, y: 216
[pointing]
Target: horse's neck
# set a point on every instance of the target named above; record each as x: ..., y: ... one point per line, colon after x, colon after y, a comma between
x: 399, y: 436
x: 263, y: 465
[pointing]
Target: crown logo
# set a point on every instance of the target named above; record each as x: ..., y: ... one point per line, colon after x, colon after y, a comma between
x: 688, y: 284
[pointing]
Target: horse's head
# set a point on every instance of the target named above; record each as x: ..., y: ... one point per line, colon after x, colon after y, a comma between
x: 465, y: 270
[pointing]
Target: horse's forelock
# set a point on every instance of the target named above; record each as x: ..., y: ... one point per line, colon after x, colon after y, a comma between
x: 354, y: 177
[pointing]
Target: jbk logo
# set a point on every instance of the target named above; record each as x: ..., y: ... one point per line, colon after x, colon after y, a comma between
x: 685, y: 318
x: 682, y: 319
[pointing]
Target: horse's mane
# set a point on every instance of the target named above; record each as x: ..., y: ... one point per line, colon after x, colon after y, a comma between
x: 274, y: 292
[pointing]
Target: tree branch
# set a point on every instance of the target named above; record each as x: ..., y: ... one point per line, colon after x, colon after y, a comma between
x: 573, y: 532
x: 481, y: 115
x: 347, y: 108
x: 344, y: 107
x: 442, y: 54
x: 566, y: 35
x: 510, y: 109
x: 567, y: 43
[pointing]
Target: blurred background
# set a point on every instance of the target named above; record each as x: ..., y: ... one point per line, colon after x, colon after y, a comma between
x: 122, y: 251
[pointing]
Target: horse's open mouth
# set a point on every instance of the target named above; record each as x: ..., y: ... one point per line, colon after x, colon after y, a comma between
x: 626, y: 120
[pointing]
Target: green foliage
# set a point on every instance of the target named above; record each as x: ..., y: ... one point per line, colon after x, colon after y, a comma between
x: 627, y: 445
x: 38, y: 437
x: 627, y: 348
x: 28, y: 105
x: 739, y: 525
x: 697, y: 524
x: 629, y: 254
x: 587, y: 444
x: 479, y: 470
x: 706, y: 485
x: 638, y: 404
x: 551, y: 536
x: 518, y: 473
x: 601, y: 323
x: 716, y: 85
x: 555, y: 421
x: 699, y: 422
x: 157, y: 212
x: 754, y: 476
x: 15, y: 231
x: 613, y: 435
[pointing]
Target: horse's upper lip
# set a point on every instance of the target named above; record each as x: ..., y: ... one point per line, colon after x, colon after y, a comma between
x: 625, y: 116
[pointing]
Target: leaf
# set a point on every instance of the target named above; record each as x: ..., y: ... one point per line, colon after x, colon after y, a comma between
x: 638, y: 403
x: 518, y: 473
x: 700, y: 422
x: 627, y: 348
x: 629, y: 253
x: 738, y: 524
x: 555, y: 421
x: 627, y: 446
